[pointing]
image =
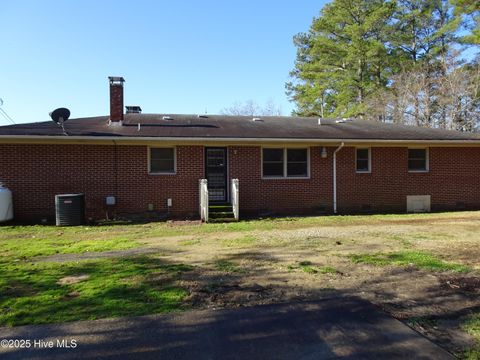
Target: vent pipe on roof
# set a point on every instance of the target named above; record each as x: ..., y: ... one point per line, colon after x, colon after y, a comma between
x: 319, y: 121
x: 116, y: 100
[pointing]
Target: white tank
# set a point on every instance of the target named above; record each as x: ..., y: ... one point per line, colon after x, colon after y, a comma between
x: 6, y: 205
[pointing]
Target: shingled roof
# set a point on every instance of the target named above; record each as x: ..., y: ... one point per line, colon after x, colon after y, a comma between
x: 233, y: 127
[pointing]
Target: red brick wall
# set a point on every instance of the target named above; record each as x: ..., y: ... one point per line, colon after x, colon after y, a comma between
x: 453, y: 178
x: 35, y: 173
x: 281, y: 195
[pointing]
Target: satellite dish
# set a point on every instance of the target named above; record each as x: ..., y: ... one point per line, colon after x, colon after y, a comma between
x: 60, y: 115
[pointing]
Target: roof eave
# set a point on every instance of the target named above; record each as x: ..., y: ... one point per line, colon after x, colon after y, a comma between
x: 233, y: 140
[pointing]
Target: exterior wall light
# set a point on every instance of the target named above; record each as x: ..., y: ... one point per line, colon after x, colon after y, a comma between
x: 324, y: 152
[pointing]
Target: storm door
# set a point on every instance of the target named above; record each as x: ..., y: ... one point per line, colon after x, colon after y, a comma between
x: 216, y: 173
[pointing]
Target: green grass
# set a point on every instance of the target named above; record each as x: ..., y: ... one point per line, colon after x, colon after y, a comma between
x: 307, y: 267
x: 419, y: 259
x: 30, y: 241
x: 327, y: 270
x: 21, y: 242
x: 472, y: 326
x: 30, y: 293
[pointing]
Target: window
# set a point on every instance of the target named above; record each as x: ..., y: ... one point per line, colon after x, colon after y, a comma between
x: 417, y: 160
x: 297, y: 163
x: 273, y: 162
x: 363, y: 160
x: 285, y: 163
x: 162, y: 160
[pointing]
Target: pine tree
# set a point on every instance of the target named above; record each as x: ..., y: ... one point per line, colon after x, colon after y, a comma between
x: 424, y: 31
x: 343, y: 59
x: 469, y: 12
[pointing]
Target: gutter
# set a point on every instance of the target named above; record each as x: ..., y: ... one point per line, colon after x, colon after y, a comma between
x: 237, y: 140
x: 335, y: 176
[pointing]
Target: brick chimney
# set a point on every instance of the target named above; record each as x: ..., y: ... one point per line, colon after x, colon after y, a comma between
x: 116, y: 100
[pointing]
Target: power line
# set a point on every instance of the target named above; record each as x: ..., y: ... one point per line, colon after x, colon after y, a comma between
x: 4, y: 114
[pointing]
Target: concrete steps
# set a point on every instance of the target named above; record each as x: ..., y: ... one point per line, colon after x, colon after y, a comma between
x: 222, y: 212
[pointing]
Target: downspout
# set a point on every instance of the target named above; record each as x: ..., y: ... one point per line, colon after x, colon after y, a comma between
x: 335, y: 177
x: 116, y: 177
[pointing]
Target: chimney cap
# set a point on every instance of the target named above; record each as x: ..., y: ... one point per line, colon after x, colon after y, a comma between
x: 116, y: 80
x: 133, y: 109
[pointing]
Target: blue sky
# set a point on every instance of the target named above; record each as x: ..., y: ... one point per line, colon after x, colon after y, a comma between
x: 176, y: 56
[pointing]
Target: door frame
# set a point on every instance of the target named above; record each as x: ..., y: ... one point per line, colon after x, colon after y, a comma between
x: 227, y: 168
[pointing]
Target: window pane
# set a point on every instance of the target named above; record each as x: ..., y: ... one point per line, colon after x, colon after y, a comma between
x: 161, y: 153
x: 297, y: 155
x: 273, y: 162
x: 362, y: 165
x: 417, y: 153
x: 417, y: 159
x: 295, y: 169
x: 417, y: 165
x: 273, y: 169
x: 162, y: 166
x: 362, y: 154
x: 363, y: 160
x: 272, y: 155
x: 162, y: 160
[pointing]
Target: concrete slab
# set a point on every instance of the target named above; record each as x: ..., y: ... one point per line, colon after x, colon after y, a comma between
x: 335, y: 328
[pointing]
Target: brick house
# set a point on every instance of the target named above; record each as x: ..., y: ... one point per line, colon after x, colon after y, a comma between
x: 284, y: 165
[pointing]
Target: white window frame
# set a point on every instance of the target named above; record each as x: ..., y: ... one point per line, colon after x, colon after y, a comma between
x: 285, y: 162
x: 427, y: 159
x: 149, y: 155
x: 369, y: 160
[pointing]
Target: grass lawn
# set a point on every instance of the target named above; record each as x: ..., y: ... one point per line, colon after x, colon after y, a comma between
x: 413, y: 266
x: 34, y: 293
x: 472, y: 326
x: 419, y: 259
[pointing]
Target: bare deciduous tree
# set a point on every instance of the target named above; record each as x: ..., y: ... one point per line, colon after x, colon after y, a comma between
x: 446, y: 96
x: 458, y: 103
x: 251, y: 108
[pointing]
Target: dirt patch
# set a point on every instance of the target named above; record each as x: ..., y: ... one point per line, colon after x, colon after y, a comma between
x: 69, y: 280
x: 71, y: 295
x: 461, y: 283
x: 184, y: 222
x: 230, y: 295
